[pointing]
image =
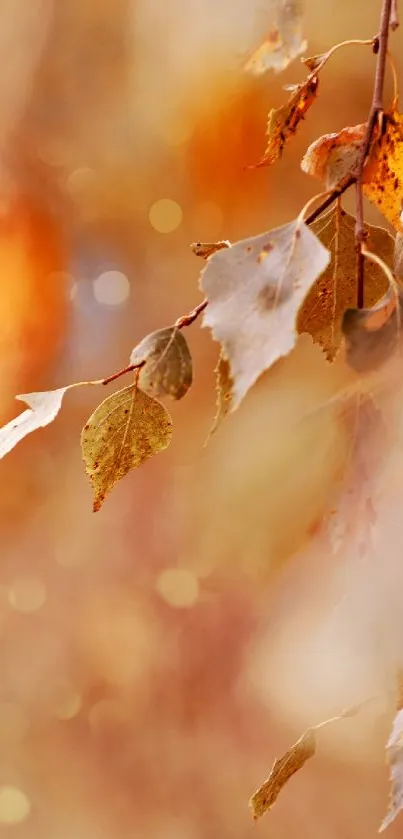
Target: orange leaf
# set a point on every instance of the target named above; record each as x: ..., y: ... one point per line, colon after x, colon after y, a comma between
x: 283, y: 122
x: 383, y: 174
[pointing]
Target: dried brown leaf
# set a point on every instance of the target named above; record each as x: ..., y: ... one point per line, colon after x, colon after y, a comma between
x: 293, y: 760
x: 314, y: 61
x: 284, y: 41
x: 43, y: 409
x: 334, y: 157
x: 125, y: 430
x: 206, y: 249
x: 322, y: 311
x: 394, y: 751
x: 254, y: 290
x: 168, y: 369
x: 283, y: 122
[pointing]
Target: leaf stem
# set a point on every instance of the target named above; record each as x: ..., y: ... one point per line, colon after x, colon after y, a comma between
x: 187, y: 320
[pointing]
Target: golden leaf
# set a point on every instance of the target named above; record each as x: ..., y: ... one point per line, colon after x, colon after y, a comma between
x: 383, y: 173
x: 322, y: 311
x: 168, y: 370
x: 283, y: 122
x: 224, y: 386
x: 125, y: 430
x: 293, y: 760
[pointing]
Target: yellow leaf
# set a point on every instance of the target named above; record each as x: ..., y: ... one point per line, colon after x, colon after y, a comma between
x: 124, y: 431
x: 293, y: 760
x: 322, y: 311
x: 383, y: 174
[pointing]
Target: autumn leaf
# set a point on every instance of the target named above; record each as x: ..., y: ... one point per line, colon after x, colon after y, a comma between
x: 254, y: 290
x: 372, y: 334
x: 383, y: 173
x: 206, y: 249
x: 334, y: 157
x: 283, y: 122
x: 284, y: 41
x: 124, y: 431
x: 394, y: 750
x: 293, y: 760
x: 44, y: 406
x: 224, y: 386
x: 168, y: 369
x: 322, y: 311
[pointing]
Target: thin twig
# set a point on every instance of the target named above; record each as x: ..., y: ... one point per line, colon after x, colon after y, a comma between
x: 187, y: 320
x: 374, y: 114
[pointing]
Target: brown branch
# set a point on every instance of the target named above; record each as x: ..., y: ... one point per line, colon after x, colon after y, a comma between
x: 128, y: 369
x: 187, y: 320
x: 389, y: 8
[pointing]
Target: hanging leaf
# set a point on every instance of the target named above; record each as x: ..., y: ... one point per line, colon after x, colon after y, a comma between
x: 334, y: 157
x: 283, y: 769
x: 254, y: 290
x: 283, y: 122
x: 394, y: 751
x: 168, y: 369
x: 284, y: 41
x: 383, y: 173
x: 125, y: 430
x: 44, y: 406
x: 224, y: 386
x: 372, y: 334
x: 206, y: 249
x: 322, y: 311
x: 293, y: 760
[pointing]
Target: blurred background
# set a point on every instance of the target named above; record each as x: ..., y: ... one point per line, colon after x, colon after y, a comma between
x: 156, y: 658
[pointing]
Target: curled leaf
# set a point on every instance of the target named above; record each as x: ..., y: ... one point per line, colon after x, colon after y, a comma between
x: 224, y: 386
x: 283, y: 122
x: 372, y: 334
x: 125, y: 430
x: 206, y: 249
x: 283, y: 769
x: 168, y: 368
x: 334, y: 157
x: 313, y: 62
x: 43, y: 408
x: 322, y: 311
x: 254, y: 290
x: 284, y: 41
